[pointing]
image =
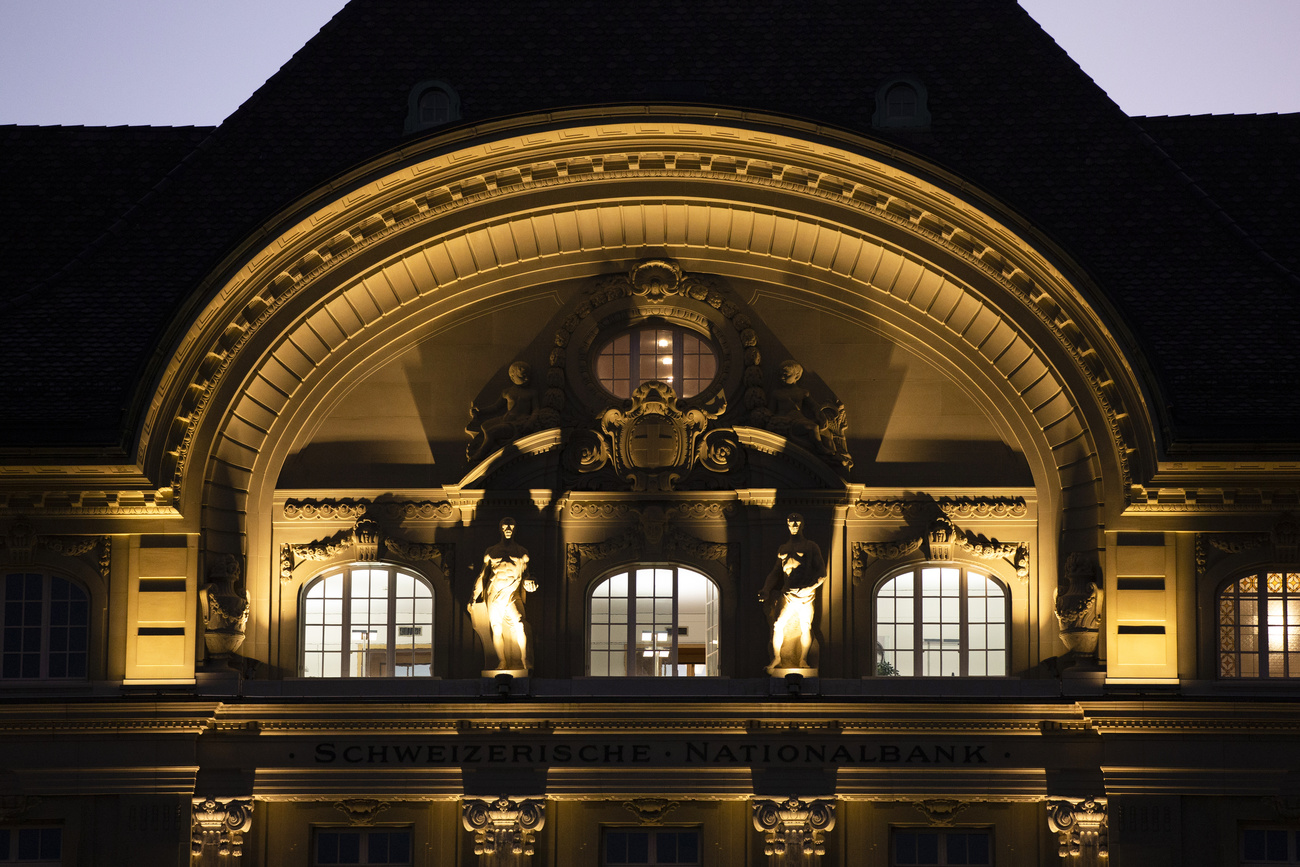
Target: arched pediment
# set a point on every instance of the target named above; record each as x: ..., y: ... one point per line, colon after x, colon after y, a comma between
x: 837, y: 223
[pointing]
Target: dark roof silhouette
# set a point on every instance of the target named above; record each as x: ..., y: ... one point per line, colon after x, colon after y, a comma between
x: 1183, y: 223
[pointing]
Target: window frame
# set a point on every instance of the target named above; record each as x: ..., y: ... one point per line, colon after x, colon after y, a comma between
x: 45, y: 651
x: 1288, y: 592
x: 713, y: 627
x: 347, y: 568
x: 363, y: 834
x: 653, y: 843
x: 918, y: 649
x: 9, y: 848
x: 942, y: 833
x: 414, y: 123
x: 679, y: 333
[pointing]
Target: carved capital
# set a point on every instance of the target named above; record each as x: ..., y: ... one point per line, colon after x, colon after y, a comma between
x: 1082, y: 828
x: 795, y: 825
x: 506, y: 825
x: 220, y: 823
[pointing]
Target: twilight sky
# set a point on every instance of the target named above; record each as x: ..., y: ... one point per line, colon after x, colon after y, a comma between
x: 175, y: 62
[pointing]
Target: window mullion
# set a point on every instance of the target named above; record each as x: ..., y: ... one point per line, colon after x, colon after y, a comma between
x: 963, y: 624
x: 629, y: 664
x: 672, y: 629
x: 918, y: 625
x: 47, y: 603
x: 345, y: 638
x: 391, y: 653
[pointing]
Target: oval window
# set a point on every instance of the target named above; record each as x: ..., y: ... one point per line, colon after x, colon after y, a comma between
x: 666, y: 353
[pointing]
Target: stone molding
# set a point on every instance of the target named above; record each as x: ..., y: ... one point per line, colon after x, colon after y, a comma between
x: 1082, y: 829
x: 795, y: 825
x: 648, y: 536
x: 366, y: 540
x: 953, y: 507
x: 869, y: 190
x: 938, y: 544
x: 650, y: 811
x: 507, y: 825
x: 940, y: 811
x: 220, y: 823
x: 19, y: 543
x: 350, y: 510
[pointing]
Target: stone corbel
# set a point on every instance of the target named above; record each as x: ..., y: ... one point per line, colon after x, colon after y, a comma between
x: 1082, y: 829
x: 220, y: 824
x: 794, y: 826
x: 507, y: 825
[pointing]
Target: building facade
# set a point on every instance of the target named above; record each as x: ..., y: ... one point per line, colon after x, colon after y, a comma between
x: 478, y: 451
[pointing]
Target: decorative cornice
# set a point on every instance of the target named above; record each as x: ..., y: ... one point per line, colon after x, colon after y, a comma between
x: 954, y: 507
x: 938, y: 543
x: 89, y: 503
x: 649, y: 535
x: 19, y: 543
x: 384, y: 510
x: 268, y: 282
x: 366, y: 540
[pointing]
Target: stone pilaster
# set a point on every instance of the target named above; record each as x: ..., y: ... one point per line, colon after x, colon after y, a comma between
x: 505, y: 829
x: 1081, y: 825
x: 794, y: 830
x: 219, y: 825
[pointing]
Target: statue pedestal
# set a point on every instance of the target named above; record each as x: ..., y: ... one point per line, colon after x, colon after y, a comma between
x: 782, y: 672
x: 491, y: 673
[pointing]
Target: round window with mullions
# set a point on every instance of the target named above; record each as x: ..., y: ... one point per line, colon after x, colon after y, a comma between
x: 667, y: 353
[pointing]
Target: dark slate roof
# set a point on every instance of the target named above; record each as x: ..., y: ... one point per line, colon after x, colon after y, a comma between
x: 1248, y: 165
x: 1011, y: 112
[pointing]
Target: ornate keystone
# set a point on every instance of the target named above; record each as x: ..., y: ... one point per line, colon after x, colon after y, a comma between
x: 221, y: 824
x: 794, y: 826
x: 1082, y: 828
x: 506, y: 825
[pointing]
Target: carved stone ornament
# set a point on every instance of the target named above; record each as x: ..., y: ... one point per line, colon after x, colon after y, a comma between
x: 506, y: 825
x: 953, y: 507
x: 789, y: 596
x: 20, y: 542
x: 794, y: 826
x: 650, y: 535
x: 1079, y: 604
x: 225, y: 605
x: 221, y: 823
x: 361, y: 811
x: 940, y: 811
x: 940, y: 542
x: 365, y: 540
x: 1286, y: 539
x: 819, y: 425
x: 14, y: 808
x: 350, y: 510
x: 516, y: 413
x: 650, y: 811
x: 650, y: 443
x: 1082, y: 828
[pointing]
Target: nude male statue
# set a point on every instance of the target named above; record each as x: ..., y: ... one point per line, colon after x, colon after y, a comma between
x: 794, y: 410
x: 500, y: 587
x: 800, y: 569
x: 509, y: 417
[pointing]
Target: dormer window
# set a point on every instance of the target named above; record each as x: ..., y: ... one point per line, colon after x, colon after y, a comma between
x: 667, y: 353
x: 432, y: 103
x: 901, y: 103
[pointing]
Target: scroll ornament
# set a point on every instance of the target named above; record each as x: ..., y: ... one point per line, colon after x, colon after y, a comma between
x: 506, y: 825
x: 1081, y: 826
x: 794, y: 826
x: 221, y: 823
x: 365, y: 539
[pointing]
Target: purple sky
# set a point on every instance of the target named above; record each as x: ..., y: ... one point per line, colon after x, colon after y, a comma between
x: 107, y: 62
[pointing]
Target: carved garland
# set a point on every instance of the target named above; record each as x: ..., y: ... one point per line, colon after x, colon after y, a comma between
x: 642, y: 543
x: 397, y: 510
x: 20, y: 542
x: 939, y: 543
x: 434, y: 202
x: 953, y: 507
x: 367, y: 540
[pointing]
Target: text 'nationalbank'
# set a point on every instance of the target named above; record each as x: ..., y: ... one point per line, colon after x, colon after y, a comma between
x: 675, y: 753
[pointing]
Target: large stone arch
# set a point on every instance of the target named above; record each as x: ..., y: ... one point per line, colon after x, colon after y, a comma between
x: 358, y: 271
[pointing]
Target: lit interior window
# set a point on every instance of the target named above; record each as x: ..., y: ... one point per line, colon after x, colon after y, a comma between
x: 655, y: 621
x: 679, y: 357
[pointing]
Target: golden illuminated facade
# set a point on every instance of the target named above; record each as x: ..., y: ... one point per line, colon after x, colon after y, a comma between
x: 666, y: 481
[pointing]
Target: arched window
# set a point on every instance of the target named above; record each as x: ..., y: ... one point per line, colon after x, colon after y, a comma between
x: 431, y: 103
x: 941, y: 620
x: 902, y: 102
x: 367, y: 620
x: 654, y: 621
x: 1259, y: 626
x: 668, y: 353
x: 46, y: 628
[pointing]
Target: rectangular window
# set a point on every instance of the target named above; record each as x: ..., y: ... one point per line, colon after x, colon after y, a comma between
x: 362, y: 846
x: 31, y: 847
x: 1269, y: 846
x: 940, y: 847
x: 637, y: 847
